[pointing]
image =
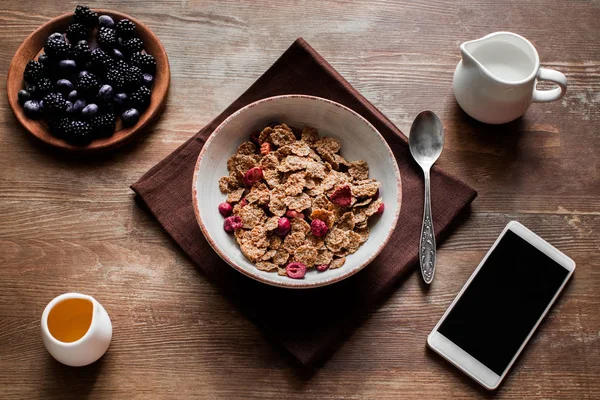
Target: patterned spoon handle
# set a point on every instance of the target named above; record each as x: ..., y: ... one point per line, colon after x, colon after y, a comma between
x: 427, y: 243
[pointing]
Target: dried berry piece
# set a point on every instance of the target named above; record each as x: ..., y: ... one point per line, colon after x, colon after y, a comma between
x: 283, y: 227
x: 322, y: 267
x: 225, y: 209
x: 380, y: 209
x: 294, y: 214
x: 342, y: 196
x: 232, y: 223
x: 318, y: 228
x: 295, y: 270
x: 252, y: 176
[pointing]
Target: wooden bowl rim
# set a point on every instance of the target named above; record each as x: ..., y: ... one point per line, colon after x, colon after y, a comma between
x: 40, y: 131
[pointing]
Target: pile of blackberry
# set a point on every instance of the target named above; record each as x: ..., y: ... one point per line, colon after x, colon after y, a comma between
x: 82, y: 89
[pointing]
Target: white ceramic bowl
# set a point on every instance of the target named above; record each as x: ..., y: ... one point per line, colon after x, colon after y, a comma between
x: 359, y: 139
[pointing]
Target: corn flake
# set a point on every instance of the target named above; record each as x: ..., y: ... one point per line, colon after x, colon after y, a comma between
x: 246, y: 148
x: 337, y: 263
x: 310, y: 135
x: 359, y: 170
x: 328, y: 143
x: 306, y: 254
x: 228, y: 184
x: 266, y: 266
x: 298, y: 203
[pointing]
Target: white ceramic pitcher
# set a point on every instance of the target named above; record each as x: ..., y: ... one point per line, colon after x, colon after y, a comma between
x: 76, y: 335
x: 496, y: 78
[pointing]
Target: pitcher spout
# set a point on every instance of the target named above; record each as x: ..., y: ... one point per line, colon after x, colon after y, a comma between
x: 469, y: 49
x: 466, y: 54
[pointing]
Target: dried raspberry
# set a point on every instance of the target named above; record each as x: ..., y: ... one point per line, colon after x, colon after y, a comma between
x: 252, y: 176
x: 265, y: 148
x: 322, y: 267
x: 232, y: 223
x: 318, y: 228
x: 295, y: 270
x: 380, y: 209
x: 342, y: 196
x: 254, y: 137
x: 244, y: 202
x: 294, y: 214
x: 225, y: 209
x: 283, y: 227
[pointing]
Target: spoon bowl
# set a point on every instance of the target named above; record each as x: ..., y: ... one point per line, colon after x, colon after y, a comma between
x: 426, y: 139
x: 426, y: 142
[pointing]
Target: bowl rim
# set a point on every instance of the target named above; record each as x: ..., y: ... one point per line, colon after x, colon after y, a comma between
x: 294, y: 283
x: 34, y: 126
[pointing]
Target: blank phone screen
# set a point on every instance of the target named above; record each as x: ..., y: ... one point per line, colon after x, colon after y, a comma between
x: 503, y: 302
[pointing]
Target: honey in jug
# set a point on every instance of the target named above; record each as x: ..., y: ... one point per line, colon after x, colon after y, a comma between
x: 70, y: 319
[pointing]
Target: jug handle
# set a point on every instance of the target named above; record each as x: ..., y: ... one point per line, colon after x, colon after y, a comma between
x: 546, y: 96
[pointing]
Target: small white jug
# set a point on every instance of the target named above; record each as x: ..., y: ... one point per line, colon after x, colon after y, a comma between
x: 496, y: 78
x: 76, y: 329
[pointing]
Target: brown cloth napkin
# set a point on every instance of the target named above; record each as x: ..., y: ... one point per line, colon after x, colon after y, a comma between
x: 309, y: 323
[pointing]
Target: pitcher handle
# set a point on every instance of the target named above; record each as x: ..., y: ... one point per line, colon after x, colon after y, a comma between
x: 546, y: 96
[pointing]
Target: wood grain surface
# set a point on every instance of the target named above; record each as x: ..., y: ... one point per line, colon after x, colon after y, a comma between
x: 71, y: 224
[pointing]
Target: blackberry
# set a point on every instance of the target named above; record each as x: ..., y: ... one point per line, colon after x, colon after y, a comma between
x: 87, y: 84
x: 81, y: 52
x: 76, y: 32
x: 133, y: 45
x: 43, y: 87
x: 125, y: 28
x: 116, y: 78
x: 121, y: 66
x: 103, y: 125
x: 85, y: 16
x: 56, y: 48
x: 34, y: 71
x: 133, y: 76
x: 60, y: 127
x: 107, y: 37
x: 145, y: 61
x: 54, y: 104
x: 79, y: 133
x: 140, y: 99
x: 100, y: 60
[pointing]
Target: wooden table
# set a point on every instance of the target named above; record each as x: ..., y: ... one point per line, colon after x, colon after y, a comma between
x: 72, y: 225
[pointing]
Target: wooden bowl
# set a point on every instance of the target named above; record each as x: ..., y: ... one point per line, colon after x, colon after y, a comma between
x: 33, y: 46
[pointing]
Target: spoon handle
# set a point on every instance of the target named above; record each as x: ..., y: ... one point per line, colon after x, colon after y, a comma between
x: 427, y: 243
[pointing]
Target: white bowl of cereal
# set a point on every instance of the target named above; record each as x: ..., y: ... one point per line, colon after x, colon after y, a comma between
x: 297, y: 191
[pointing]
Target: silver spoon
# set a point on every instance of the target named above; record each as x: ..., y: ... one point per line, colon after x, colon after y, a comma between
x: 426, y: 142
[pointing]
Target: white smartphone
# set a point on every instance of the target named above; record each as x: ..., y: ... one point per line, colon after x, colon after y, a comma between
x: 492, y: 318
